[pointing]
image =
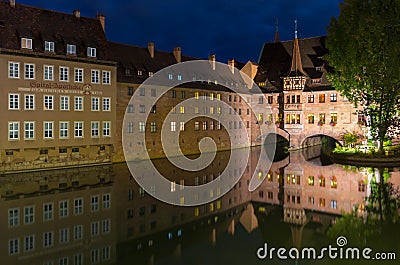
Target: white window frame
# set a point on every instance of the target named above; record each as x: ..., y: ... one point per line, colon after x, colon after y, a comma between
x: 106, y: 201
x: 95, y: 129
x: 63, y: 208
x: 49, y: 46
x: 13, y: 246
x: 91, y: 52
x: 78, y: 75
x: 64, y: 132
x: 95, y: 76
x: 14, y: 130
x: 13, y: 69
x: 142, y: 127
x: 71, y: 49
x: 106, y: 77
x: 29, y: 243
x: 64, y: 235
x: 106, y: 226
x: 29, y: 102
x: 95, y: 103
x: 182, y: 126
x: 95, y: 228
x: 106, y: 104
x: 48, y: 130
x: 78, y: 129
x: 48, y: 72
x: 130, y: 127
x: 64, y: 103
x: 48, y: 214
x: 29, y: 71
x: 173, y: 126
x: 48, y: 239
x: 78, y: 232
x: 29, y: 217
x: 64, y: 74
x: 13, y: 217
x: 106, y: 128
x: 30, y: 130
x: 48, y: 102
x: 78, y: 103
x: 13, y: 101
x: 26, y: 43
x: 78, y: 206
x: 94, y: 203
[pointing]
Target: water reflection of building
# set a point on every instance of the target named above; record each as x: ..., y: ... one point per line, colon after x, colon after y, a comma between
x: 58, y: 217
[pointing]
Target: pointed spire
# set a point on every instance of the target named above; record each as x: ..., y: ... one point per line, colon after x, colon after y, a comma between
x: 297, y: 66
x: 277, y: 31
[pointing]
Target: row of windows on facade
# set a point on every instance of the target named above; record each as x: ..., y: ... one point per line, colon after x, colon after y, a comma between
x: 296, y: 118
x: 29, y: 244
x: 63, y: 210
x: 49, y: 46
x: 293, y: 199
x: 296, y: 99
x: 64, y: 73
x: 64, y: 102
x: 174, y: 94
x: 29, y: 129
x: 211, y: 125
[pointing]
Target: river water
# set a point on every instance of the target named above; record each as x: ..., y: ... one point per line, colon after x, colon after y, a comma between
x: 100, y: 215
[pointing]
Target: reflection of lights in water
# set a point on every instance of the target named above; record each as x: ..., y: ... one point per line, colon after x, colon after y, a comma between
x: 179, y: 233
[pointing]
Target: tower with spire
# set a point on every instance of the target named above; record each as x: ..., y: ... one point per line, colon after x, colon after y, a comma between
x: 277, y: 31
x: 296, y: 78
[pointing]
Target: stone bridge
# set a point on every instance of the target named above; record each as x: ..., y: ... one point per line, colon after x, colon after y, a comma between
x: 300, y: 136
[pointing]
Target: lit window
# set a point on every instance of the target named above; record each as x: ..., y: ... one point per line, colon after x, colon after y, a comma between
x: 333, y: 204
x: 64, y: 74
x: 78, y: 75
x: 173, y: 126
x: 182, y: 126
x: 196, y: 125
x: 204, y: 125
x: 311, y: 180
x: 13, y: 70
x: 49, y: 46
x: 182, y: 109
x: 321, y: 98
x: 333, y: 182
x: 170, y: 76
x: 71, y: 49
x: 153, y: 127
x: 179, y: 77
x: 91, y: 52
x: 141, y: 127
x: 26, y: 43
x: 321, y: 181
x: 310, y: 118
x: 29, y: 71
x: 196, y: 95
x: 48, y: 72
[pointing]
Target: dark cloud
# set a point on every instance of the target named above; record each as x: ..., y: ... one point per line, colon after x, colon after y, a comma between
x: 230, y: 28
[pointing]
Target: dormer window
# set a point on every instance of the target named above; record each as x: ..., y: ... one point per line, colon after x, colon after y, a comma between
x: 49, y: 46
x: 139, y: 72
x: 26, y: 43
x: 151, y: 73
x: 318, y: 68
x: 71, y: 49
x: 128, y: 72
x: 91, y: 52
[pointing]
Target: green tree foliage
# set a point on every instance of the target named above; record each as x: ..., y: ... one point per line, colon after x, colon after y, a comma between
x: 364, y: 52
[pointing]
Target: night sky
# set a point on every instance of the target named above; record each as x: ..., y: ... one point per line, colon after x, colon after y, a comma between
x: 229, y: 28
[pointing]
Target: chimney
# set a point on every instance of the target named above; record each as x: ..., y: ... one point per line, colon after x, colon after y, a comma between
x: 177, y: 54
x: 77, y: 13
x: 231, y: 64
x: 102, y: 19
x: 150, y: 47
x: 12, y: 3
x: 211, y: 58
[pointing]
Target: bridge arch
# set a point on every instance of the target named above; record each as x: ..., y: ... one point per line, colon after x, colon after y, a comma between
x: 334, y: 136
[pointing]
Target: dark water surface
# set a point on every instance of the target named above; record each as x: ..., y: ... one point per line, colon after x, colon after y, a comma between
x: 99, y: 215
